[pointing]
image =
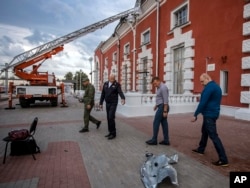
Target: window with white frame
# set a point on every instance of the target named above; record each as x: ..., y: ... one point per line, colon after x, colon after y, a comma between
x: 143, y: 74
x: 126, y: 49
x: 180, y: 15
x: 113, y: 71
x: 224, y: 82
x: 106, y: 61
x: 178, y: 71
x: 144, y: 79
x: 145, y: 37
x: 114, y: 58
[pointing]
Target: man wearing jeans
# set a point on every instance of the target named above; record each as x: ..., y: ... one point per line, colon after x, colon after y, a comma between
x: 162, y: 109
x: 209, y: 107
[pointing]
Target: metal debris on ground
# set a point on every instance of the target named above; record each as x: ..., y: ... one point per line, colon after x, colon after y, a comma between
x: 157, y: 168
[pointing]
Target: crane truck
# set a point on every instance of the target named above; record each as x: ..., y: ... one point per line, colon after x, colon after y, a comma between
x: 42, y: 86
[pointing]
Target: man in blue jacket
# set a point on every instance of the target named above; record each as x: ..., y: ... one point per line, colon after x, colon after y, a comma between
x: 209, y: 107
x: 111, y: 90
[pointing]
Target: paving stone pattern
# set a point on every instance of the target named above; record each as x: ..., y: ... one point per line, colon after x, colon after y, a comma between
x: 72, y: 159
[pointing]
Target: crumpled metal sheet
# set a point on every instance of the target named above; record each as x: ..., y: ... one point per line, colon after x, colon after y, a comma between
x: 157, y: 168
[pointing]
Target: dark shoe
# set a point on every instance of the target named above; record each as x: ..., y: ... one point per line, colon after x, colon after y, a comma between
x: 151, y: 142
x: 196, y: 151
x: 84, y: 130
x: 98, y: 124
x: 108, y: 135
x: 111, y: 137
x: 164, y: 143
x: 220, y: 163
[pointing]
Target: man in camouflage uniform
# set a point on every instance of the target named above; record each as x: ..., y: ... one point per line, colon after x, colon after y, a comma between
x: 88, y: 100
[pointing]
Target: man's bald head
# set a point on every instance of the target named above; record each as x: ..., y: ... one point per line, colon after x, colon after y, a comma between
x: 205, y: 78
x: 111, y: 78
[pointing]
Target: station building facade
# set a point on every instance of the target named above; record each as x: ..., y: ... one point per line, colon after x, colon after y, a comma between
x: 178, y: 40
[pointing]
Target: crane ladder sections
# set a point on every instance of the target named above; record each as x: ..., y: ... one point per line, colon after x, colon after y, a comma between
x: 47, y: 47
x: 35, y: 77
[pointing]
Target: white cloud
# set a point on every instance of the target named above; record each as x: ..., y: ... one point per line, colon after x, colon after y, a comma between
x: 34, y: 23
x: 13, y: 42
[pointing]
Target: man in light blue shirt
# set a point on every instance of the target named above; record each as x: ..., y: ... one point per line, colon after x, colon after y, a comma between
x: 162, y: 109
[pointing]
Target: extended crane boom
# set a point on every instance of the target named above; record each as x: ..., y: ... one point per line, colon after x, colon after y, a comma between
x: 47, y: 47
x: 42, y: 86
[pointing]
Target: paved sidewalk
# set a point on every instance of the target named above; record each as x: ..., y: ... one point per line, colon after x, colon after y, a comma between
x: 3, y: 97
x: 72, y: 159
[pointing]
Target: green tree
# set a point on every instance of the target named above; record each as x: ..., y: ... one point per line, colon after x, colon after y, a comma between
x: 68, y: 76
x: 79, y: 75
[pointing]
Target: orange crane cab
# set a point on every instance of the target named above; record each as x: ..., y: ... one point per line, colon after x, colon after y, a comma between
x: 42, y: 86
x: 34, y: 77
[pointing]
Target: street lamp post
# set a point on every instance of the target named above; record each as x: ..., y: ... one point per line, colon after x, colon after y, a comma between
x: 80, y: 79
x: 90, y: 61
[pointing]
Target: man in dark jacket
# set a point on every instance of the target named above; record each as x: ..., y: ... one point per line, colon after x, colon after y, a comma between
x: 209, y: 107
x: 111, y: 90
x: 88, y: 100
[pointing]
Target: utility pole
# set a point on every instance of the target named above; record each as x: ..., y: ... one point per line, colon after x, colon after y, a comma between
x: 90, y: 61
x: 6, y: 79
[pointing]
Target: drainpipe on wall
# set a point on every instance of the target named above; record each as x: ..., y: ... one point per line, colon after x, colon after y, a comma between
x: 101, y: 68
x: 118, y: 47
x: 134, y: 51
x: 118, y: 55
x: 157, y: 38
x: 133, y: 28
x: 118, y: 59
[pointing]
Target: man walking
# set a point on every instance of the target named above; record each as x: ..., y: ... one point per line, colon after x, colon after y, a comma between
x: 88, y: 100
x: 111, y: 90
x: 162, y: 109
x: 209, y: 107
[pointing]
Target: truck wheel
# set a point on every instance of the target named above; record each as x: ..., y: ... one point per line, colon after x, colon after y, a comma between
x: 53, y: 102
x: 24, y: 103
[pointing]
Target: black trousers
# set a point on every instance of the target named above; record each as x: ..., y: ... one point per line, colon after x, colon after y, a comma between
x: 111, y: 109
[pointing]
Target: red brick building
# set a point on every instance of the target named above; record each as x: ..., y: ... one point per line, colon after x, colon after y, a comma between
x: 178, y: 40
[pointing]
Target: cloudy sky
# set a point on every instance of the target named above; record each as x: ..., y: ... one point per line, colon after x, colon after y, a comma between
x: 26, y: 24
